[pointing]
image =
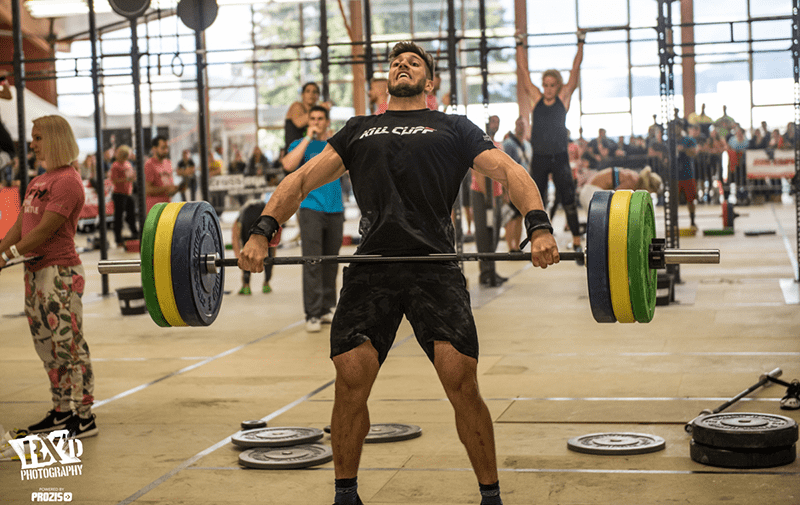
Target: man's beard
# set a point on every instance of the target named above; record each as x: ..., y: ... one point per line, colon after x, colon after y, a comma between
x: 404, y: 90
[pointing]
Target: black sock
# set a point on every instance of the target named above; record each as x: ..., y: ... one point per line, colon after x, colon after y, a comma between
x: 346, y: 492
x: 490, y: 494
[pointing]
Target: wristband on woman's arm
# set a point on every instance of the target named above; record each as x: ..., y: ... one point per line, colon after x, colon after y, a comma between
x: 5, y: 257
x: 14, y: 252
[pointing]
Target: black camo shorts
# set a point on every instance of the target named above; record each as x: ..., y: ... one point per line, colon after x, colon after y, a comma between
x: 376, y: 296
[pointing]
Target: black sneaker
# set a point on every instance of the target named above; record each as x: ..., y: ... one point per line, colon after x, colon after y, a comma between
x: 53, y: 421
x: 80, y: 427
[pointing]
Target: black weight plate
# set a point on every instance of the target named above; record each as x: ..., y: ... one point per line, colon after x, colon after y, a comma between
x: 728, y: 458
x: 286, y: 458
x: 391, y: 432
x: 744, y: 430
x: 198, y: 294
x: 276, y: 437
x: 253, y: 425
x: 388, y: 432
x: 616, y: 444
x: 597, y: 257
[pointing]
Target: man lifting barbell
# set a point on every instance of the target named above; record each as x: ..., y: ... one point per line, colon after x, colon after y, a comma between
x: 406, y: 167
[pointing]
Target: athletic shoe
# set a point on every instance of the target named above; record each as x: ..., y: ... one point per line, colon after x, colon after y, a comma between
x: 266, y: 289
x: 327, y: 318
x: 80, y: 427
x: 313, y: 325
x: 52, y: 421
x: 245, y: 290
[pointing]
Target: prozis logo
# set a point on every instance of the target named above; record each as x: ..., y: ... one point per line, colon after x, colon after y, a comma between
x: 51, y: 495
x: 45, y: 452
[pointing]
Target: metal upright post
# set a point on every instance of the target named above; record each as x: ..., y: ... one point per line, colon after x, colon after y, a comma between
x: 666, y: 52
x: 451, y: 65
x: 370, y: 67
x: 200, y: 45
x: 796, y: 178
x: 324, y: 63
x: 137, y: 120
x: 19, y: 85
x: 98, y: 134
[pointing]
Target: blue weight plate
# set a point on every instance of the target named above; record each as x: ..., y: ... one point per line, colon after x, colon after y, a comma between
x: 198, y: 294
x: 597, y: 257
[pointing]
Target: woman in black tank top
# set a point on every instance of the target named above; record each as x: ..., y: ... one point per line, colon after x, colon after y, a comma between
x: 549, y: 139
x: 297, y: 115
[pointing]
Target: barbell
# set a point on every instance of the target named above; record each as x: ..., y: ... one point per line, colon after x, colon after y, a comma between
x: 182, y: 260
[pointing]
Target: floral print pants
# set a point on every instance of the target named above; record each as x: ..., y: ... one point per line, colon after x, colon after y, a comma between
x: 55, y: 315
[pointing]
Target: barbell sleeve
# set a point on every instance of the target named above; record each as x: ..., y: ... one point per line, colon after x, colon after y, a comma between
x: 212, y: 262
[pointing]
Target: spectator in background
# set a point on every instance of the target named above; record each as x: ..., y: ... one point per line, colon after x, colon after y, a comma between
x: 725, y: 124
x: 758, y: 140
x: 687, y: 182
x: 297, y: 115
x: 88, y: 168
x: 603, y: 148
x: 378, y: 95
x: 122, y: 177
x: 54, y: 284
x: 788, y: 137
x: 321, y: 220
x: 186, y: 169
x: 6, y: 144
x: 549, y: 136
x: 237, y: 165
x: 520, y: 150
x: 257, y: 164
x: 240, y: 234
x: 158, y: 182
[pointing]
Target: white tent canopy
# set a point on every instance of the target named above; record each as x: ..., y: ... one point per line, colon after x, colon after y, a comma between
x: 36, y: 107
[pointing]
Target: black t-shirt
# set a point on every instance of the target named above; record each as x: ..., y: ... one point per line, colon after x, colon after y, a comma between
x: 406, y: 168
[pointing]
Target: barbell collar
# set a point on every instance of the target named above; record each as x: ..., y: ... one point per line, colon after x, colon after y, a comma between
x: 213, y: 262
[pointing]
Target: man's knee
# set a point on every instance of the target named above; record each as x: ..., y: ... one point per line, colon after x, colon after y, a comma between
x: 356, y: 370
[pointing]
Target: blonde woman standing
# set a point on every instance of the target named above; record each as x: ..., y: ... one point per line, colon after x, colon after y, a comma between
x: 54, y: 283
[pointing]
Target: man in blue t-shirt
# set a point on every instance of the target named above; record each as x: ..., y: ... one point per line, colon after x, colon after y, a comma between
x: 406, y: 167
x: 321, y: 219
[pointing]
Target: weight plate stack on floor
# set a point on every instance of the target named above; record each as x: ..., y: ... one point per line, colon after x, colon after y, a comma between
x: 597, y: 257
x: 283, y: 448
x: 744, y: 440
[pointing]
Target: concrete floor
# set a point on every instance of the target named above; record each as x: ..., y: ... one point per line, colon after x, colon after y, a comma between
x: 168, y: 400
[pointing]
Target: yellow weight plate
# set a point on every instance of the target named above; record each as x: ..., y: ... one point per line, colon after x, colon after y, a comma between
x: 162, y: 264
x: 618, y: 256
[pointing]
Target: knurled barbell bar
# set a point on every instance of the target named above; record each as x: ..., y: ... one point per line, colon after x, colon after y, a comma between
x: 182, y: 260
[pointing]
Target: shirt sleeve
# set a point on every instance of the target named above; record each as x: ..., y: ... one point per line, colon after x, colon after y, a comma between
x: 473, y: 139
x: 341, y: 139
x: 68, y: 197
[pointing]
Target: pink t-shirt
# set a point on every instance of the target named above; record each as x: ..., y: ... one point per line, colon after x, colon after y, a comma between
x: 59, y: 191
x: 158, y: 174
x: 121, y: 171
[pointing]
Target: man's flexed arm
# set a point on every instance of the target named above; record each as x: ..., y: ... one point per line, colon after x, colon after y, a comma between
x: 323, y: 168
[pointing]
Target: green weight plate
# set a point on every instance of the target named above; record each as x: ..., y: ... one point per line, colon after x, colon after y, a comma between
x: 641, y: 278
x: 148, y: 272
